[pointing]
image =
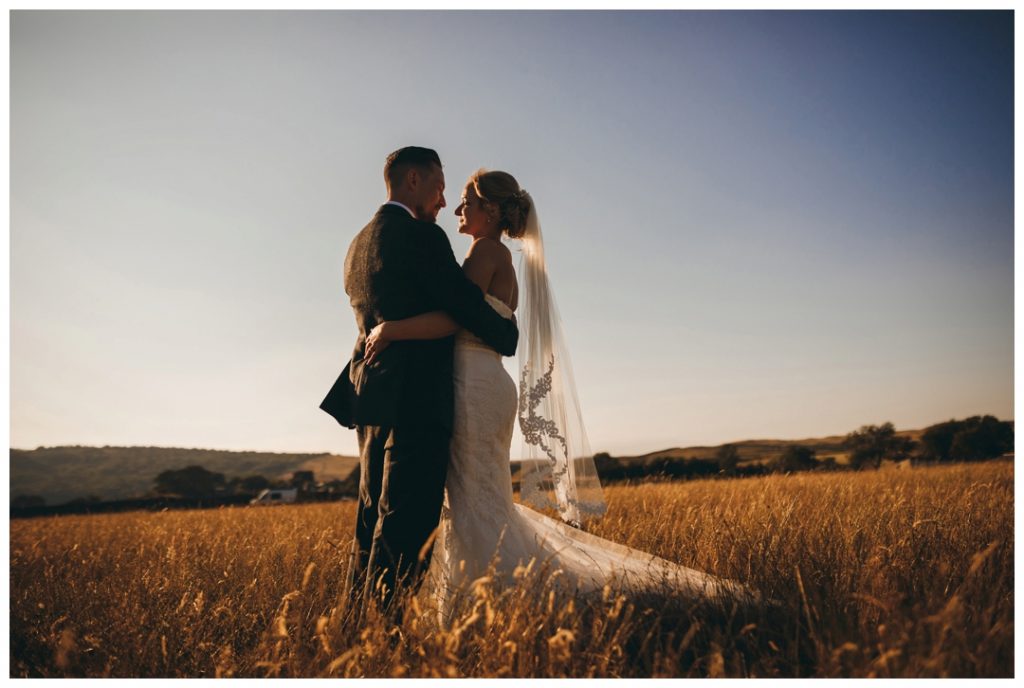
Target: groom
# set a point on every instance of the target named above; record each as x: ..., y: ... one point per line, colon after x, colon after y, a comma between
x: 400, y: 265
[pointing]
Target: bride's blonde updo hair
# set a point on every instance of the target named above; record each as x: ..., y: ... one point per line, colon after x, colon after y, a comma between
x: 502, y: 189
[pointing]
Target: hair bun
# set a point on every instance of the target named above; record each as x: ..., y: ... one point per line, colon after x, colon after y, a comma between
x: 516, y: 214
x: 502, y: 189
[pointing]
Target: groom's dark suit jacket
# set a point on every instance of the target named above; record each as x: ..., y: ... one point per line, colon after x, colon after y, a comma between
x: 398, y: 267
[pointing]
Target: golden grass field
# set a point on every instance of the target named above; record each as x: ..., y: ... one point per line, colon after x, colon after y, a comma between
x: 891, y: 574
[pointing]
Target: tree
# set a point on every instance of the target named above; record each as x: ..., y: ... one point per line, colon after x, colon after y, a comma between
x: 604, y: 460
x: 937, y: 440
x: 795, y: 457
x: 972, y: 439
x: 828, y: 464
x: 728, y: 457
x: 872, y: 443
x: 192, y: 481
x: 250, y: 484
x: 980, y: 438
x: 610, y: 468
x: 658, y: 465
x: 303, y: 480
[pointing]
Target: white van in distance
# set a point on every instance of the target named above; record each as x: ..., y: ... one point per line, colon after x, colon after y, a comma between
x: 278, y: 496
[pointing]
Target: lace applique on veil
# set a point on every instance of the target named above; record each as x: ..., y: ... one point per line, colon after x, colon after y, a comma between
x: 557, y: 470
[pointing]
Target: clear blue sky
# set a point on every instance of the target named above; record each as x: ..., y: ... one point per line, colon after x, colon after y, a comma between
x: 759, y: 224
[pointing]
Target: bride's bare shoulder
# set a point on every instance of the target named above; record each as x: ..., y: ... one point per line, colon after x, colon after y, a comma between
x: 490, y: 250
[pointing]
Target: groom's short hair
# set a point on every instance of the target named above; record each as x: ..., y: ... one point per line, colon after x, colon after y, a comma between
x: 399, y: 162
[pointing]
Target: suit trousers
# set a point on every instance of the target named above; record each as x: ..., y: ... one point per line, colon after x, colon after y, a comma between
x: 401, y: 492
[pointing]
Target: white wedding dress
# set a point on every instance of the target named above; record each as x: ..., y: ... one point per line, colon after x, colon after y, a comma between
x: 481, y: 526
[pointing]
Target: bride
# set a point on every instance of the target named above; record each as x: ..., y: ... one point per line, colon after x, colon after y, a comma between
x: 482, y: 529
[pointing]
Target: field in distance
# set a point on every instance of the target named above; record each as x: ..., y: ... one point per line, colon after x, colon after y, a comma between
x: 60, y: 474
x: 880, y: 574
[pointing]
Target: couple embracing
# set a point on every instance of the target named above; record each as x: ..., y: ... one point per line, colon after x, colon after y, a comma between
x: 434, y: 408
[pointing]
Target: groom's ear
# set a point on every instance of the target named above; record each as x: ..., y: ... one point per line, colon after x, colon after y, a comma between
x: 412, y: 178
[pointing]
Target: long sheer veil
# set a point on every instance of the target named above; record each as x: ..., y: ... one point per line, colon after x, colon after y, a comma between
x: 557, y: 470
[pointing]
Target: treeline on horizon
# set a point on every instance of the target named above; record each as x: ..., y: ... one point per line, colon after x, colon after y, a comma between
x: 973, y: 439
x: 977, y: 438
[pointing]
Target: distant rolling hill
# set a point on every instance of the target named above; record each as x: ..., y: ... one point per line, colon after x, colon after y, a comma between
x: 750, y: 451
x: 761, y: 451
x: 60, y: 474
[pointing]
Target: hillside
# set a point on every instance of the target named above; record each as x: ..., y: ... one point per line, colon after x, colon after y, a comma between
x: 60, y: 474
x: 760, y: 451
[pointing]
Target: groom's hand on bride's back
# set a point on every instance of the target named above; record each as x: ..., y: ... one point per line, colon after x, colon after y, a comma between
x: 376, y: 342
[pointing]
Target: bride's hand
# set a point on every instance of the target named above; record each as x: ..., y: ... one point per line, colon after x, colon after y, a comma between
x: 376, y: 342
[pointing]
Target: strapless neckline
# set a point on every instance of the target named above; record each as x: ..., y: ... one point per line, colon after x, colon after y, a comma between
x: 467, y: 339
x: 498, y: 305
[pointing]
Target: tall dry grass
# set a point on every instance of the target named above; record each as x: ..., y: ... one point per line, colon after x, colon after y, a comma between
x: 904, y: 573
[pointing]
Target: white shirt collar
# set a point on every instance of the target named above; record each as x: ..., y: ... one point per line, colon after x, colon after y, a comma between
x: 402, y: 206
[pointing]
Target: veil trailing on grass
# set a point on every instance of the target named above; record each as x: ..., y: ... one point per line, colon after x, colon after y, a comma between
x: 557, y: 471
